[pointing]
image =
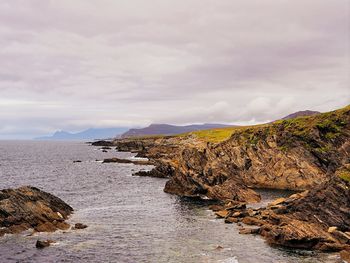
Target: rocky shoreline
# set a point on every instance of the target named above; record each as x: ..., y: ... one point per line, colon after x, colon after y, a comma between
x: 307, y: 154
x: 316, y: 219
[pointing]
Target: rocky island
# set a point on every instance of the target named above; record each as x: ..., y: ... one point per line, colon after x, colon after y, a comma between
x: 308, y: 154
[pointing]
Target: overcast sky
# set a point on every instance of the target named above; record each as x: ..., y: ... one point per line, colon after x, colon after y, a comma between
x: 75, y: 64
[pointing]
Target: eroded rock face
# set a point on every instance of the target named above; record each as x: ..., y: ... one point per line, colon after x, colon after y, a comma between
x: 296, y: 154
x: 316, y: 219
x: 28, y: 207
x: 293, y: 155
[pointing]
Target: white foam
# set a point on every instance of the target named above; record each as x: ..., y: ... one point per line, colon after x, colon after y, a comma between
x: 229, y: 260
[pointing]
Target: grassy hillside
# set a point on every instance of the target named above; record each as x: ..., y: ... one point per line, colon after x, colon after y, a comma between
x: 328, y: 126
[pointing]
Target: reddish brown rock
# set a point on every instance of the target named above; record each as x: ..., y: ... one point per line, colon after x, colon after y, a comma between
x: 222, y: 213
x: 230, y: 220
x: 252, y: 221
x: 246, y: 231
x: 345, y: 255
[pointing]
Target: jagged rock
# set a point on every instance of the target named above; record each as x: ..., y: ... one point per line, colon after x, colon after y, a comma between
x: 158, y: 172
x: 219, y: 247
x: 318, y: 220
x: 345, y: 255
x: 342, y: 237
x: 252, y: 221
x: 332, y: 229
x: 118, y: 160
x: 236, y: 214
x: 230, y: 220
x: 236, y: 206
x: 277, y: 201
x: 28, y: 207
x: 80, y: 226
x: 42, y: 244
x: 247, y: 231
x: 102, y: 143
x: 216, y: 208
x: 298, y: 234
x: 222, y: 213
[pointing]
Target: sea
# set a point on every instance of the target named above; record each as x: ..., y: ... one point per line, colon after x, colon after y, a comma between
x: 129, y: 218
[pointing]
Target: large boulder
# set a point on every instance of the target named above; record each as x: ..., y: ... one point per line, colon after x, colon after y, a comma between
x: 29, y: 207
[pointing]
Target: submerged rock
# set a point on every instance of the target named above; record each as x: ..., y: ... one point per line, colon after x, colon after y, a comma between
x: 158, y: 172
x: 28, y: 207
x: 118, y: 160
x: 102, y: 143
x: 246, y: 231
x: 219, y: 247
x: 79, y: 226
x: 42, y: 244
x: 230, y: 220
x: 106, y: 148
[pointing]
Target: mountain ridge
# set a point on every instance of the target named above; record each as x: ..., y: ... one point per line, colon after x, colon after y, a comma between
x: 88, y: 134
x: 302, y: 113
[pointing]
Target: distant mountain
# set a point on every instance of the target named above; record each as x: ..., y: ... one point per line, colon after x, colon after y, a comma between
x: 89, y: 134
x: 166, y: 129
x: 300, y: 114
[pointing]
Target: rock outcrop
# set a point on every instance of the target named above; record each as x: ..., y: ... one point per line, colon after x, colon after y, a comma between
x: 28, y: 207
x: 316, y: 219
x: 102, y: 143
x: 293, y: 154
x: 42, y: 244
x: 118, y: 160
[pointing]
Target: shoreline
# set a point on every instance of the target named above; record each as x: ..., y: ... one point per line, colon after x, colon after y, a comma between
x: 264, y: 156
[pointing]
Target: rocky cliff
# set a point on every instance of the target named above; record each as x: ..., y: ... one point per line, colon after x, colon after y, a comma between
x: 306, y: 153
x: 295, y: 154
x: 316, y: 219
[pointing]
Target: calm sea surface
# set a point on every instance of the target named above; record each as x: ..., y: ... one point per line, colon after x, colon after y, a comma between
x: 130, y: 218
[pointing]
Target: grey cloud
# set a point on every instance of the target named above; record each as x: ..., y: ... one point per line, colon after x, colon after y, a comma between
x: 75, y: 64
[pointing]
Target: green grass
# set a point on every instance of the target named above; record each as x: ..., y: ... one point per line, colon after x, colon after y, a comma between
x: 344, y: 174
x: 214, y: 135
x: 328, y: 125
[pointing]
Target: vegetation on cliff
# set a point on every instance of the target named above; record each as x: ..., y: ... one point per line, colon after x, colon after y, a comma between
x: 329, y: 126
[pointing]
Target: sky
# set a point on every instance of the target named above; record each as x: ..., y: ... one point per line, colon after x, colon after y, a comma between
x: 72, y: 65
